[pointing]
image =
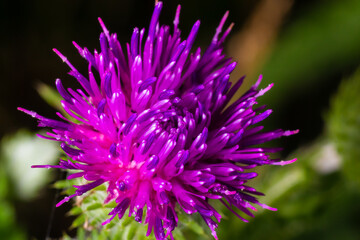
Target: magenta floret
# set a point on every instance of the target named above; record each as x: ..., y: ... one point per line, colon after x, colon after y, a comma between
x: 157, y: 127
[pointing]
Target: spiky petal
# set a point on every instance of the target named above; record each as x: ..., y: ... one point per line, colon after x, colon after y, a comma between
x: 156, y: 128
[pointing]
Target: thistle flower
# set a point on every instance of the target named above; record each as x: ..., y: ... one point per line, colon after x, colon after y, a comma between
x: 157, y: 129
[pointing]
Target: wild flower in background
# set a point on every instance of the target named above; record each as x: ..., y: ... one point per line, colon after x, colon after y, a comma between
x: 158, y: 129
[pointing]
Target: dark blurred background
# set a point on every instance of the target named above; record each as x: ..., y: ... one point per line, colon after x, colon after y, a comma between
x: 307, y: 48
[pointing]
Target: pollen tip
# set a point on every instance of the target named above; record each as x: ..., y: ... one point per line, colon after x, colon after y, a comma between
x: 63, y: 58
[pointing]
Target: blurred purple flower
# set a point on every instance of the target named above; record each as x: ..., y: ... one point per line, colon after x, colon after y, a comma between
x: 157, y: 129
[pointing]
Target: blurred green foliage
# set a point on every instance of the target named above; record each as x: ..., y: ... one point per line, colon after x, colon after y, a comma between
x: 344, y: 126
x: 314, y: 201
x: 18, y: 153
x: 18, y: 182
x: 320, y: 43
x: 8, y: 227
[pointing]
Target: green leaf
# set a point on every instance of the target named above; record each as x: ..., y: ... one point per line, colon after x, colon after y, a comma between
x: 126, y: 220
x: 79, y: 221
x: 344, y: 125
x: 94, y: 206
x: 61, y: 184
x: 178, y: 235
x: 50, y: 95
x: 75, y: 211
x: 110, y: 205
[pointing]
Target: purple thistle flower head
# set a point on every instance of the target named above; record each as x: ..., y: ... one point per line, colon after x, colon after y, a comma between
x: 156, y: 127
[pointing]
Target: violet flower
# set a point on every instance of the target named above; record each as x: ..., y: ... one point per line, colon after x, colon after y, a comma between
x: 156, y: 127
